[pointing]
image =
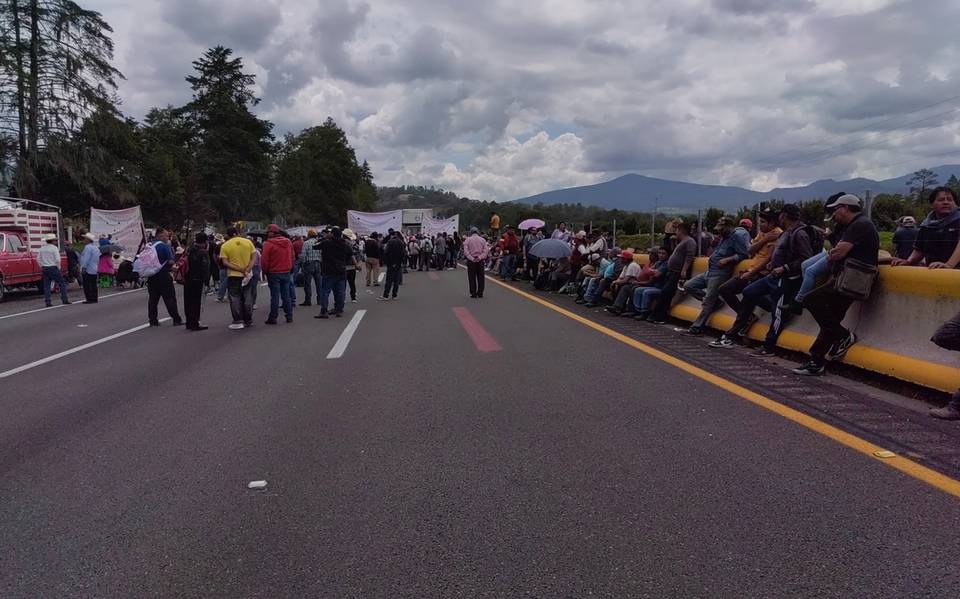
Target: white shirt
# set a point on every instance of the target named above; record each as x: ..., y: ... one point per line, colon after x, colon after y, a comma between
x: 631, y: 270
x: 49, y: 255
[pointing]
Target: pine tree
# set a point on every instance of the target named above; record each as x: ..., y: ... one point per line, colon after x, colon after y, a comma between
x: 919, y: 182
x: 233, y: 154
x: 55, y: 72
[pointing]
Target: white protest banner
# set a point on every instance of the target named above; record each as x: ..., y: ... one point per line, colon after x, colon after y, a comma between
x: 124, y: 227
x: 365, y: 223
x: 435, y: 226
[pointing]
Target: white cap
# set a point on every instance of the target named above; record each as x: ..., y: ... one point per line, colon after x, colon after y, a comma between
x: 845, y: 200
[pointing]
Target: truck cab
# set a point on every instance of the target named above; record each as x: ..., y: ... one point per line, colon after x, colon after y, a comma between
x: 19, y: 267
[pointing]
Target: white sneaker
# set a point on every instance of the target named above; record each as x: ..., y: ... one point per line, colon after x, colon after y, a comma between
x: 254, y: 307
x: 353, y: 301
x: 236, y: 326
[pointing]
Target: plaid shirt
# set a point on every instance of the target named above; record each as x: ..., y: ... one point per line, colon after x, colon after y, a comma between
x: 310, y: 253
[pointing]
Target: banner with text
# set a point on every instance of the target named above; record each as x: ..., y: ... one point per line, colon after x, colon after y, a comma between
x: 435, y: 226
x: 124, y: 227
x: 365, y: 223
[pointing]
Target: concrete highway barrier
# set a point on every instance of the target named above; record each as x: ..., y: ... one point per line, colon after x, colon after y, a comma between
x: 893, y: 327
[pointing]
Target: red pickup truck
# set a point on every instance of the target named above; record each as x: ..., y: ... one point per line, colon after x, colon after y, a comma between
x: 18, y: 264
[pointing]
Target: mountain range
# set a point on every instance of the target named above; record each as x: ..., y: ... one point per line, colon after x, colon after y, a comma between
x: 641, y: 194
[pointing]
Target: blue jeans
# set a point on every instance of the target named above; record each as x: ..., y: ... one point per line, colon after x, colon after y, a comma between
x: 338, y: 285
x: 643, y: 298
x: 51, y: 275
x: 279, y: 284
x: 508, y: 264
x: 222, y: 289
x: 813, y: 268
x: 311, y: 279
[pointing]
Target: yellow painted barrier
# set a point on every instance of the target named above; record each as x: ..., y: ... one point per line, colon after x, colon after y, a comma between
x: 893, y: 327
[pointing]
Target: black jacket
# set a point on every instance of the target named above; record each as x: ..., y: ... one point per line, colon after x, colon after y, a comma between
x: 198, y: 267
x: 394, y: 252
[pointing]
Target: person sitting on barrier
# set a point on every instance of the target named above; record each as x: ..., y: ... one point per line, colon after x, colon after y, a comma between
x: 860, y: 242
x: 648, y: 286
x: 587, y: 273
x: 630, y: 278
x: 817, y: 267
x: 948, y: 337
x: 774, y: 289
x: 761, y: 250
x: 599, y: 286
x: 732, y: 248
x: 938, y: 240
x: 679, y: 267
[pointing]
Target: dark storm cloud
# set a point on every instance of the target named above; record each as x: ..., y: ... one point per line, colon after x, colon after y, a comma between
x: 210, y: 23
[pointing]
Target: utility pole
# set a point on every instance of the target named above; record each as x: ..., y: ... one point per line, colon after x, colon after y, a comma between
x: 867, y: 204
x: 614, y: 232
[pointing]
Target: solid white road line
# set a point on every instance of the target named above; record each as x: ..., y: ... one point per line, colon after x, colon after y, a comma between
x: 346, y: 336
x: 70, y: 304
x: 74, y: 350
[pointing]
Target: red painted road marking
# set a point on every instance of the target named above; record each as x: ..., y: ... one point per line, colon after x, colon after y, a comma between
x: 481, y: 338
x: 433, y: 276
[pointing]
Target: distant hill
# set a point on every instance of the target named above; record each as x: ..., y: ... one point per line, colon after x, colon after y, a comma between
x: 640, y: 193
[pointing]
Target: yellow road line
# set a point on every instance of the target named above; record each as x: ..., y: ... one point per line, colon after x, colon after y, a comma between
x: 909, y: 467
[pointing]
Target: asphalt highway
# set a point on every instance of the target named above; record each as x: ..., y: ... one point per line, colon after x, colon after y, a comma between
x: 459, y: 448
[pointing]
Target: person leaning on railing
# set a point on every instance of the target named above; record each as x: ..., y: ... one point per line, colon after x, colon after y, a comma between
x: 938, y: 241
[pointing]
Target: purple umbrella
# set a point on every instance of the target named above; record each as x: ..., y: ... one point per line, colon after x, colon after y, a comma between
x: 531, y: 223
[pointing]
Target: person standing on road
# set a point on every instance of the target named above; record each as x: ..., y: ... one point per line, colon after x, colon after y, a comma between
x: 426, y: 253
x: 511, y: 249
x: 861, y: 242
x: 335, y: 255
x: 160, y: 285
x: 440, y: 251
x: 351, y: 240
x: 475, y: 250
x: 310, y: 267
x: 393, y: 259
x: 237, y: 256
x: 89, y: 264
x: 531, y: 264
x: 49, y: 258
x: 276, y: 262
x: 198, y: 273
x: 371, y: 249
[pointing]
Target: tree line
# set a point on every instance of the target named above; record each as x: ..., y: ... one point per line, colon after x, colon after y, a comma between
x: 65, y: 141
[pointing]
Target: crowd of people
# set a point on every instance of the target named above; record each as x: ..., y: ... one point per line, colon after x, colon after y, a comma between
x: 821, y: 268
x: 793, y: 266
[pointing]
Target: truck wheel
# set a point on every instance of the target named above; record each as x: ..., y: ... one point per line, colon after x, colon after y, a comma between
x: 3, y: 290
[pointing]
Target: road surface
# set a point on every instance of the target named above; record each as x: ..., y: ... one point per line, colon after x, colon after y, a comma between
x: 457, y: 448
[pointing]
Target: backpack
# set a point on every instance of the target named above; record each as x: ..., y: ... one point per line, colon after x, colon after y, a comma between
x: 181, y: 269
x: 427, y: 247
x: 817, y: 238
x: 147, y: 263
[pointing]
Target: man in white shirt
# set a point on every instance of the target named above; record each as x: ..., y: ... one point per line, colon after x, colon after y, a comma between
x: 49, y: 258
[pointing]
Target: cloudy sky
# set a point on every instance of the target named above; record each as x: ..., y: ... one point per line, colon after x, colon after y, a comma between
x: 501, y: 99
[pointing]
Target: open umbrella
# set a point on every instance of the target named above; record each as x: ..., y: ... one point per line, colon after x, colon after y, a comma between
x: 551, y: 248
x: 531, y: 223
